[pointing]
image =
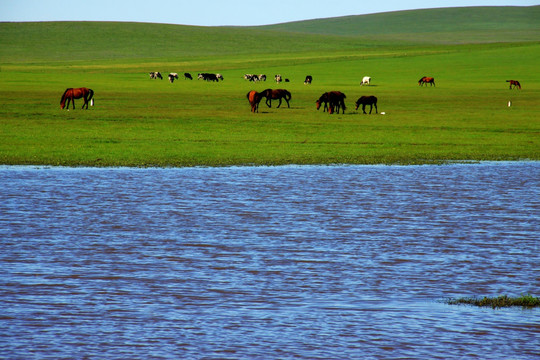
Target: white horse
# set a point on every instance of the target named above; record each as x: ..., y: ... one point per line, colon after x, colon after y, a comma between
x: 366, y: 80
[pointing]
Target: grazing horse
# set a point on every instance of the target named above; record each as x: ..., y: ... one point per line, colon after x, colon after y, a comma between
x: 514, y: 83
x: 426, y: 80
x: 187, y: 76
x: 365, y: 80
x: 367, y: 100
x: 332, y: 100
x: 71, y: 94
x: 277, y: 94
x: 308, y: 80
x: 255, y: 98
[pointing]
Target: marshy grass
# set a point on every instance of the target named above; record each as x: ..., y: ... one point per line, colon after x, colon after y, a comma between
x: 503, y: 301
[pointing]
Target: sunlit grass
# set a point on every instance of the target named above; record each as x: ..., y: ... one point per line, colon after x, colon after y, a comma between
x: 143, y: 122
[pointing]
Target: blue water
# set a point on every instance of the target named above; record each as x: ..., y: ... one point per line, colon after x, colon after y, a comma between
x: 311, y: 262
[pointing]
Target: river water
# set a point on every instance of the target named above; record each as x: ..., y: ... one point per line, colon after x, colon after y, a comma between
x: 293, y: 262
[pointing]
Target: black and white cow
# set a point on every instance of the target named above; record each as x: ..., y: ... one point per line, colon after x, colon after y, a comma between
x: 155, y: 75
x: 308, y: 80
x: 172, y: 76
x: 208, y: 77
x: 278, y: 78
x: 187, y: 76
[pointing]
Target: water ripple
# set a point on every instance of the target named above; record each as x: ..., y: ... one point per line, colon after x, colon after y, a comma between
x: 268, y: 262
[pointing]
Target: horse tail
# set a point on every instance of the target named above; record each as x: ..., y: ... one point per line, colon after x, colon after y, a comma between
x: 91, y: 96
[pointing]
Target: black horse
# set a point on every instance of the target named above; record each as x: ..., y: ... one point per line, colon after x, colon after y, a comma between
x: 333, y: 100
x: 367, y: 100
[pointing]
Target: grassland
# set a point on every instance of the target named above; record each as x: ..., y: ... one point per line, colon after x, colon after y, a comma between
x: 143, y: 122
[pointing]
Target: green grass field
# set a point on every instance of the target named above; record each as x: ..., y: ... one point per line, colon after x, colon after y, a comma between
x: 143, y: 122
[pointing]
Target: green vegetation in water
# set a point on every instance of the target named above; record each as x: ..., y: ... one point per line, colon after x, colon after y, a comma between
x: 525, y: 301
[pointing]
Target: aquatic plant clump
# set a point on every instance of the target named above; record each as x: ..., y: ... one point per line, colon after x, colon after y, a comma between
x: 526, y: 301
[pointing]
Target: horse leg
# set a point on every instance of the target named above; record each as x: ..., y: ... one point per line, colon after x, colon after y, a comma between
x: 287, y: 100
x: 376, y: 110
x: 364, y: 108
x: 279, y: 103
x: 85, y: 98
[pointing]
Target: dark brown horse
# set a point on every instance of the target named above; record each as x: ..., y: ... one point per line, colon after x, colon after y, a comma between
x: 277, y: 94
x: 367, y: 100
x: 254, y: 99
x: 426, y: 80
x: 514, y: 83
x: 71, y: 94
x: 333, y: 100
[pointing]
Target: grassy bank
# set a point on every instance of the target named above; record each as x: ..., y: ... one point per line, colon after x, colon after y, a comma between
x: 143, y: 122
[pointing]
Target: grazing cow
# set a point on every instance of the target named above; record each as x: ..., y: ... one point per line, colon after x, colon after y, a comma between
x: 262, y: 77
x: 187, y: 76
x: 208, y: 77
x: 173, y: 76
x: 365, y: 80
x: 155, y: 75
x: 514, y: 83
x: 308, y: 80
x: 367, y: 100
x: 278, y: 78
x: 426, y: 80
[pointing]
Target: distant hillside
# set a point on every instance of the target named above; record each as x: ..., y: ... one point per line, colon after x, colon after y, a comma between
x: 479, y: 24
x: 422, y: 21
x: 87, y: 41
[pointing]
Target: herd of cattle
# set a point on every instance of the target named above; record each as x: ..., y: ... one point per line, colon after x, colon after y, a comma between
x: 216, y: 77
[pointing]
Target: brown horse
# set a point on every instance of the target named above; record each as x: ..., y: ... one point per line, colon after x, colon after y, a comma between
x: 332, y: 100
x: 71, y: 94
x: 426, y: 80
x: 277, y: 94
x: 514, y: 83
x: 367, y: 100
x: 254, y: 99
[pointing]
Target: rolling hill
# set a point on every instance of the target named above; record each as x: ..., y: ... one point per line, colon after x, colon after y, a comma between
x: 72, y: 41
